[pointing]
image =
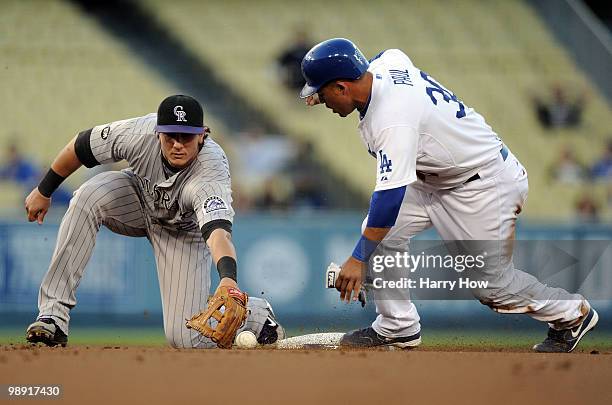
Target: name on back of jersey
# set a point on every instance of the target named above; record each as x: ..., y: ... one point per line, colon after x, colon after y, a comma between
x: 401, y: 77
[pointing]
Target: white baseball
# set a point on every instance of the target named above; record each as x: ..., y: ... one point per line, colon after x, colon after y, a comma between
x: 246, y: 340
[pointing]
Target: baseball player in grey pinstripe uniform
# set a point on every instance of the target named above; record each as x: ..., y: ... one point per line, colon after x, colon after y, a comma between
x: 176, y: 192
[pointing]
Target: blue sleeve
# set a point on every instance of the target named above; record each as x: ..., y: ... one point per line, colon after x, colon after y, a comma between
x: 385, y: 206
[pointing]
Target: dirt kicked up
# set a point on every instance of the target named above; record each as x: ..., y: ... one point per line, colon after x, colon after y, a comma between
x: 117, y: 374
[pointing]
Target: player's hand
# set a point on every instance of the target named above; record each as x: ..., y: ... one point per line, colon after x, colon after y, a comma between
x: 349, y: 279
x: 37, y: 206
x: 227, y: 282
x: 313, y: 100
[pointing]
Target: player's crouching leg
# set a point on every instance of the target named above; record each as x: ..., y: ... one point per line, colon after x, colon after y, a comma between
x: 97, y: 196
x: 179, y: 337
x: 569, y: 316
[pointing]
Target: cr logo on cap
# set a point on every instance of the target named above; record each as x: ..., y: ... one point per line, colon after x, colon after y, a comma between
x: 180, y: 114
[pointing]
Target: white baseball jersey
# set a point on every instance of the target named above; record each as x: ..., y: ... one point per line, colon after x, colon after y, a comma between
x: 413, y: 125
x: 422, y: 134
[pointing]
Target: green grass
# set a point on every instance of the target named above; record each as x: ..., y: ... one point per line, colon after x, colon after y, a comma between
x: 98, y: 336
x: 500, y: 340
x: 432, y: 339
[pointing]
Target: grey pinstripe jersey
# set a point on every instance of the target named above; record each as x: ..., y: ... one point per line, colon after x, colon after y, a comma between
x: 146, y: 199
x: 203, y: 188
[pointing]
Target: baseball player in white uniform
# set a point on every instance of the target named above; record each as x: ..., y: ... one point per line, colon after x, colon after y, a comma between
x: 438, y: 164
x: 176, y: 193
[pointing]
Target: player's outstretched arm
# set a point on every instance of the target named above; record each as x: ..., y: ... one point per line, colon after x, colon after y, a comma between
x: 224, y: 255
x: 38, y: 201
x: 350, y: 278
x: 384, y: 208
x: 227, y: 296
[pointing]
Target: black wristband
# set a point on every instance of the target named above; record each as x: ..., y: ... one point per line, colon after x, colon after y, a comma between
x: 50, y: 183
x: 226, y: 266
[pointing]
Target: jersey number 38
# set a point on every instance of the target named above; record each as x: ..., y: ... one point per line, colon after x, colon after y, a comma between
x: 446, y: 94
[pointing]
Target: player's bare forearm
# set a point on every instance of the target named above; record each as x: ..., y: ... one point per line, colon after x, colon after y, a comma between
x: 221, y: 245
x: 66, y: 162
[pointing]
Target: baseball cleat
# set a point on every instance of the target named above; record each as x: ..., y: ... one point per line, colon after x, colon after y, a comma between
x: 271, y: 332
x: 368, y: 337
x: 45, y: 331
x: 566, y: 340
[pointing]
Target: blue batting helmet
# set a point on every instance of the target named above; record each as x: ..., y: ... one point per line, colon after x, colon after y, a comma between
x: 336, y: 58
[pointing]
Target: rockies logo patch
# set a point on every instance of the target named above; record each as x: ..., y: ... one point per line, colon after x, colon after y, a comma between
x: 214, y: 203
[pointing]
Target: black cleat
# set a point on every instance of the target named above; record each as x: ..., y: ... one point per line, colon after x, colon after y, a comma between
x: 566, y: 340
x: 369, y: 338
x: 271, y: 332
x: 45, y: 331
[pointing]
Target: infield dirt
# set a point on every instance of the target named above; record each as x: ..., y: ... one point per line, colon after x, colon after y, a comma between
x: 117, y: 374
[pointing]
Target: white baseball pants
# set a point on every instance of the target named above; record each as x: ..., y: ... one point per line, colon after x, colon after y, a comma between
x: 483, y: 209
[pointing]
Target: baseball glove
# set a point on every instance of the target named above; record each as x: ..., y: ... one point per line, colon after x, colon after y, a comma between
x: 229, y: 308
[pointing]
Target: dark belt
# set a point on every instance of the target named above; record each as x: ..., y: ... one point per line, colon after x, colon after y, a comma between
x: 504, y: 153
